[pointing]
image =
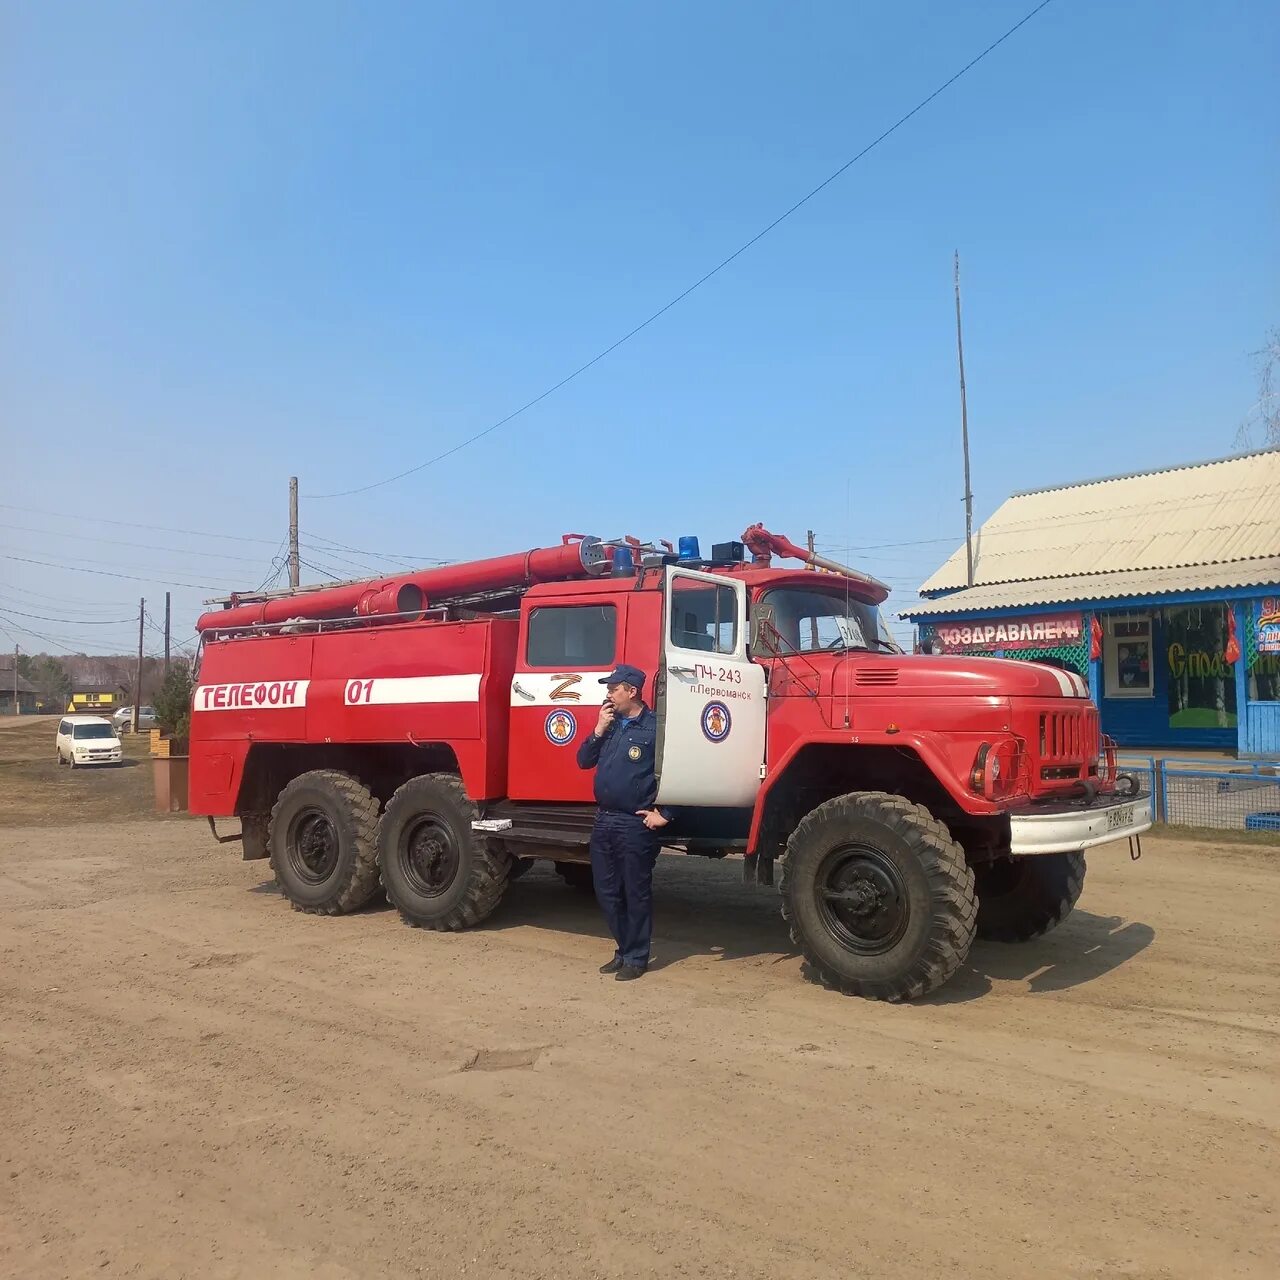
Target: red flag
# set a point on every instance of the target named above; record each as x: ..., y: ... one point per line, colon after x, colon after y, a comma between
x: 1232, y: 654
x: 1095, y: 638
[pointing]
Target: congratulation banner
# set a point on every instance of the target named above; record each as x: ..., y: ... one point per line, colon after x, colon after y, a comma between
x: 1267, y: 624
x: 1037, y: 631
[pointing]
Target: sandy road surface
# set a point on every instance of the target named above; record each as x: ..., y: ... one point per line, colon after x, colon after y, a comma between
x: 195, y: 1080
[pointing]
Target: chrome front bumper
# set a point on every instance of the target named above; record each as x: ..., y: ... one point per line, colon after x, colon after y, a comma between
x: 1072, y: 828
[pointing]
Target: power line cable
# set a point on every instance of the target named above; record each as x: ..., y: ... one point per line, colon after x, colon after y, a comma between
x: 329, y: 571
x: 143, y: 546
x: 159, y: 630
x: 94, y: 560
x: 74, y: 622
x: 380, y: 555
x: 43, y: 601
x: 66, y: 648
x: 883, y: 546
x: 133, y: 524
x: 697, y: 284
x: 330, y: 554
x: 106, y: 573
x: 276, y: 563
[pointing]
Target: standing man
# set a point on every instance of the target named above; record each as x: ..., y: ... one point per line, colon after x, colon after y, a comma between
x: 624, y: 840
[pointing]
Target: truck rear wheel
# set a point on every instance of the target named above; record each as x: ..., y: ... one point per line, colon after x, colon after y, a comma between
x: 438, y: 872
x: 322, y: 842
x: 879, y: 897
x: 1023, y: 898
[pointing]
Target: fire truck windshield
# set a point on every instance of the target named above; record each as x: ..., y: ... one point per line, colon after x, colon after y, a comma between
x: 810, y: 619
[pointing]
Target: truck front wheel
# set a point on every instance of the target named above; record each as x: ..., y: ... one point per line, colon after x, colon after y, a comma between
x: 438, y: 872
x: 879, y: 897
x: 322, y: 846
x: 1023, y: 898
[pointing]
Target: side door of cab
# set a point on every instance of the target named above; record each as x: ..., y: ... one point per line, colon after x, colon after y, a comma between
x: 567, y: 645
x: 712, y: 712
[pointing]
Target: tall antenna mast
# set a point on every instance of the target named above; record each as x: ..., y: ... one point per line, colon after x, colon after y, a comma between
x: 964, y: 434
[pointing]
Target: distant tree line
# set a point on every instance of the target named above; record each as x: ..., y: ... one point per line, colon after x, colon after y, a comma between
x: 55, y: 677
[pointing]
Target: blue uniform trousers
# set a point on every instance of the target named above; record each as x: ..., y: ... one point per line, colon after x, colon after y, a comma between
x: 623, y: 851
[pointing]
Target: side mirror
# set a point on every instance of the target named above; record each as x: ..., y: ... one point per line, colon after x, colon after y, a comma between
x: 764, y: 643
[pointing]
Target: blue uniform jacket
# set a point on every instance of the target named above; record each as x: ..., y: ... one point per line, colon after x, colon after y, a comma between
x: 624, y: 762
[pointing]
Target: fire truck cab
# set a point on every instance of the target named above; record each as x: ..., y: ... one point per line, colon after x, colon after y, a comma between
x: 419, y: 734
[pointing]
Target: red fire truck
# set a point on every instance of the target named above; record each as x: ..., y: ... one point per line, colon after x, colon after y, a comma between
x: 418, y: 733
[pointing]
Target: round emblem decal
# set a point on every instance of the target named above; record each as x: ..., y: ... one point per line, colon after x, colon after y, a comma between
x: 716, y: 721
x: 560, y: 728
x: 634, y: 753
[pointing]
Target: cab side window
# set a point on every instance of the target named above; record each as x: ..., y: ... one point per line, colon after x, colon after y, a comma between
x: 564, y: 637
x: 704, y: 617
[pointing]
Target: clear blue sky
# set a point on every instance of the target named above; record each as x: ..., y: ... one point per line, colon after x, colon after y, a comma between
x: 240, y: 241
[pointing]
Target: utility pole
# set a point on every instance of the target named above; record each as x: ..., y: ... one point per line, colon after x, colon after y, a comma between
x: 294, y: 570
x: 964, y: 432
x: 17, y: 706
x: 813, y: 622
x: 137, y: 687
x: 168, y: 600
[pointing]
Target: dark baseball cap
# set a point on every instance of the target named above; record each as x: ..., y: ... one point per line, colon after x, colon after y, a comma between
x: 623, y: 673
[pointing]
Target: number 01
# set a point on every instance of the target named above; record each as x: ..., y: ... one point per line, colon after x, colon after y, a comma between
x: 359, y: 691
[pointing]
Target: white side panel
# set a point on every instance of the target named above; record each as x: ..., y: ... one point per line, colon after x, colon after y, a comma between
x: 406, y: 690
x: 713, y: 715
x: 558, y: 689
x: 252, y: 695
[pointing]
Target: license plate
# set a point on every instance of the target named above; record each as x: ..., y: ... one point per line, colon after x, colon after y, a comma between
x: 1120, y: 817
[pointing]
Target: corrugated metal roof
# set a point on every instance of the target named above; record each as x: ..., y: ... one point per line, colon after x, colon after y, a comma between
x: 1205, y: 514
x: 1263, y: 571
x: 6, y: 682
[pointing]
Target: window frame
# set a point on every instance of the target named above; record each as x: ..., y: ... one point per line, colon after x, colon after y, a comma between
x: 737, y: 617
x: 738, y: 594
x: 566, y: 664
x: 1111, y: 656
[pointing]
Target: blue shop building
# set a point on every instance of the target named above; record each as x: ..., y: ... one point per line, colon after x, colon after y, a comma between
x: 1162, y: 589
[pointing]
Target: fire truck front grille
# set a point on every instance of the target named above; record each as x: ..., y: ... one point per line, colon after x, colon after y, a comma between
x: 1068, y: 737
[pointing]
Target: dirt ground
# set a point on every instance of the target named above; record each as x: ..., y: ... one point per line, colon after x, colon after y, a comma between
x: 34, y: 788
x: 197, y: 1081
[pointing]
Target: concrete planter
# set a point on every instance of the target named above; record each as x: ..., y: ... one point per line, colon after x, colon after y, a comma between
x: 170, y: 774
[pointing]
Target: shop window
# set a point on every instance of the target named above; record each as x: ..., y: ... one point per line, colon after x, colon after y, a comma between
x: 1202, y: 684
x: 1127, y: 657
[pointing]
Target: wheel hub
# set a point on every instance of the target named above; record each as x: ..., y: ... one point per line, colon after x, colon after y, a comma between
x: 313, y: 846
x: 862, y: 899
x: 430, y: 856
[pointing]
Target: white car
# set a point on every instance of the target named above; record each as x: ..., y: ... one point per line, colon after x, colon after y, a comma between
x: 88, y: 740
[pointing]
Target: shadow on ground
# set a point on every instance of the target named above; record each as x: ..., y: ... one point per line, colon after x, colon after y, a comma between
x: 1082, y: 949
x: 702, y: 908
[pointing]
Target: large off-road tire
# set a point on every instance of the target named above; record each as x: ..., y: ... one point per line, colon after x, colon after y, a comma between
x: 1023, y: 898
x: 437, y: 871
x: 577, y: 875
x: 878, y: 896
x: 322, y: 841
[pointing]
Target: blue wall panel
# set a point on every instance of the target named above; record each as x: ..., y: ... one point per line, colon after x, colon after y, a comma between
x: 1263, y: 734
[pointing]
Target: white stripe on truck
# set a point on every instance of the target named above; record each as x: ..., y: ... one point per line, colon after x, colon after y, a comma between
x: 405, y: 690
x: 251, y: 695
